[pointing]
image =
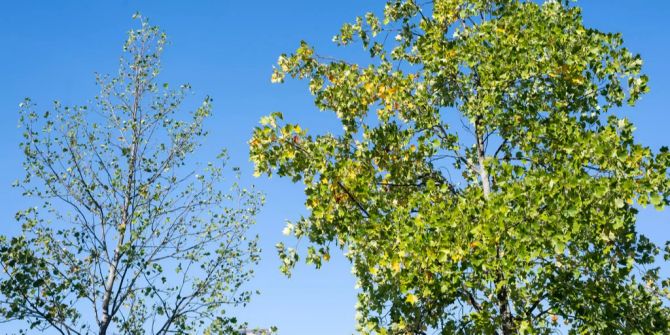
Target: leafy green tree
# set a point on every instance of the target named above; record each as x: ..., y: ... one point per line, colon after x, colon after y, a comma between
x: 128, y: 239
x: 482, y: 182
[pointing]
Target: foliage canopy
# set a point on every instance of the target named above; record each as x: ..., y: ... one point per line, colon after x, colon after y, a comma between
x: 521, y: 217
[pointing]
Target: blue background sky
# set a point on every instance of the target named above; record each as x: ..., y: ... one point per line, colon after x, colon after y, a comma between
x: 51, y: 49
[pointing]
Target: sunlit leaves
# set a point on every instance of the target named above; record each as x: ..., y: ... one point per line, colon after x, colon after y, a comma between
x: 520, y: 218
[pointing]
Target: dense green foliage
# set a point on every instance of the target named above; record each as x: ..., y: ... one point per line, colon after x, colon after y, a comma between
x: 128, y: 238
x: 520, y: 218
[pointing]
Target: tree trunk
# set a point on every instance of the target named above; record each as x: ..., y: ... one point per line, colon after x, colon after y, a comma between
x: 125, y: 216
x: 508, y: 327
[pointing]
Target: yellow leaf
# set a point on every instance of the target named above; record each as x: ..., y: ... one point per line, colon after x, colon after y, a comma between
x: 412, y: 299
x: 369, y: 87
x: 381, y: 92
x: 395, y: 266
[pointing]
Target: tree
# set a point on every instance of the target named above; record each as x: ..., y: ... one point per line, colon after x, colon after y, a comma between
x: 484, y: 181
x: 130, y: 238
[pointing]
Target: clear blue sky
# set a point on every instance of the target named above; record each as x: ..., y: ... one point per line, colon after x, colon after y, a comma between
x: 226, y: 49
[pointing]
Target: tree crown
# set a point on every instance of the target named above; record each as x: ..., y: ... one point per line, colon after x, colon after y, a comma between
x: 483, y: 181
x: 131, y: 237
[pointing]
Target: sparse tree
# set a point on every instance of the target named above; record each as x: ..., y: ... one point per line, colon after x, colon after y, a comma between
x: 131, y: 237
